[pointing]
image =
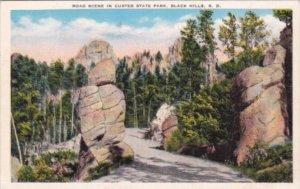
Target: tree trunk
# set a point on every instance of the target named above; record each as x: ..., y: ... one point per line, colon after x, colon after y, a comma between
x: 135, y: 121
x: 65, y: 130
x: 54, y: 125
x: 17, y: 140
x: 60, y: 117
x: 44, y: 107
x: 149, y: 109
x: 72, y: 114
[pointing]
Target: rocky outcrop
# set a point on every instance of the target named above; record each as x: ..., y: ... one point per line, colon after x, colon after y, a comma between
x: 70, y: 145
x: 146, y: 61
x: 164, y: 124
x: 286, y: 39
x: 175, y: 52
x: 101, y: 110
x: 213, y: 75
x: 260, y: 101
x: 103, y: 73
x: 95, y: 52
x: 15, y: 166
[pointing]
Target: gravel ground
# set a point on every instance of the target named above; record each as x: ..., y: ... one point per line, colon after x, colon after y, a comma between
x: 153, y: 165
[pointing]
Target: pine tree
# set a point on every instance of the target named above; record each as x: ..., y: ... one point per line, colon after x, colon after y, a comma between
x: 191, y: 72
x: 253, y: 31
x: 158, y: 57
x: 228, y: 34
x: 284, y: 15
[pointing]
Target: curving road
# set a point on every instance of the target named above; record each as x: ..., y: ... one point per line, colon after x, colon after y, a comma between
x: 153, y: 165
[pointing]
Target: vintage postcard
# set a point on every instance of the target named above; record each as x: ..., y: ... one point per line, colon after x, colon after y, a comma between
x: 149, y: 94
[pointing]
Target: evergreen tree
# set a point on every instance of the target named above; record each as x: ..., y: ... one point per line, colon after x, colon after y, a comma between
x: 284, y: 15
x: 191, y: 71
x: 253, y: 33
x: 205, y: 31
x: 158, y: 57
x: 228, y: 34
x: 81, y: 76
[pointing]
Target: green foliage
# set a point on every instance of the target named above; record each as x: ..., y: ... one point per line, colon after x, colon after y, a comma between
x: 34, y: 114
x: 175, y: 141
x: 245, y: 59
x: 50, y: 167
x: 205, y: 31
x: 192, y: 74
x: 25, y: 174
x: 100, y: 170
x: 269, y: 164
x: 228, y: 34
x: 105, y: 167
x: 284, y: 15
x: 253, y: 33
x: 205, y: 119
x: 196, y: 119
x: 280, y: 173
x: 158, y: 57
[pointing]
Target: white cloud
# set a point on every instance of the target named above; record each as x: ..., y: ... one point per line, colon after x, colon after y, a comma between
x: 274, y: 25
x: 186, y: 17
x: 48, y: 33
x: 48, y: 38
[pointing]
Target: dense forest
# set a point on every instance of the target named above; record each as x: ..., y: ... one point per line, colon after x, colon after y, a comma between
x: 43, y: 110
x: 203, y: 107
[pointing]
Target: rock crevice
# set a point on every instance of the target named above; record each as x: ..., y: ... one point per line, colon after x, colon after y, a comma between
x: 101, y: 111
x: 259, y: 97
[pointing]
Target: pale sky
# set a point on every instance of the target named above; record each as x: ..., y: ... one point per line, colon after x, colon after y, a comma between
x: 46, y: 35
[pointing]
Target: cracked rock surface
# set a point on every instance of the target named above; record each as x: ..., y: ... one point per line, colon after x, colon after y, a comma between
x: 260, y: 102
x: 101, y: 111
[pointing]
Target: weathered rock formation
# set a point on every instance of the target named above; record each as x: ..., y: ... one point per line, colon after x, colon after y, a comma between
x: 175, y: 52
x: 164, y: 124
x: 95, y: 52
x: 70, y: 145
x: 260, y: 101
x: 101, y: 110
x: 147, y: 61
x: 15, y: 166
x: 213, y: 75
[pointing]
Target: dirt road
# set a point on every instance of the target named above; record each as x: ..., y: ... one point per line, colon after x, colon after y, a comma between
x: 153, y: 165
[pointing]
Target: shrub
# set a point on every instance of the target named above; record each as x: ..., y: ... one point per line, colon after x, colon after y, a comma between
x: 269, y: 164
x: 50, y: 167
x: 104, y: 167
x: 175, y: 141
x: 245, y: 59
x: 279, y: 173
x: 100, y: 170
x: 25, y: 174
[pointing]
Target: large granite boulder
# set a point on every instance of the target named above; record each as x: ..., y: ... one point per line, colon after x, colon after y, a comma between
x: 103, y: 73
x: 15, y: 166
x: 95, y: 52
x: 164, y: 124
x: 175, y: 52
x: 260, y: 102
x: 101, y: 112
x: 71, y: 145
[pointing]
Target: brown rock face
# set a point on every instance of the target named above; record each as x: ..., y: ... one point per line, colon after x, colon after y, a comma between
x: 101, y: 110
x: 175, y: 52
x: 168, y: 127
x: 260, y: 102
x: 103, y: 73
x: 164, y: 124
x: 94, y: 52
